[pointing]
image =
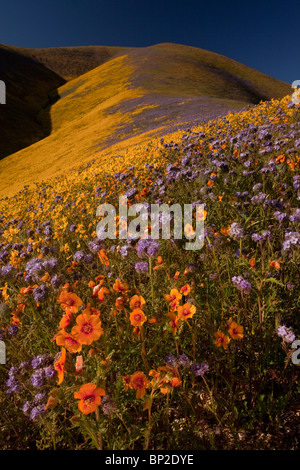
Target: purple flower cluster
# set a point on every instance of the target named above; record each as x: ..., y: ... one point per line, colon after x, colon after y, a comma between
x: 36, y: 407
x: 236, y: 231
x: 291, y: 240
x: 40, y: 293
x: 141, y: 267
x: 241, y: 284
x: 36, y: 268
x: 7, y: 271
x: 199, y: 369
x: 95, y: 245
x: 147, y: 246
x: 296, y: 180
x: 57, y: 280
x: 261, y: 237
x: 286, y: 334
x: 13, y: 384
x: 34, y: 373
x: 180, y: 360
x: 43, y: 367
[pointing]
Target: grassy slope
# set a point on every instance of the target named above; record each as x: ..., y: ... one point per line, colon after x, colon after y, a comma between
x: 132, y: 97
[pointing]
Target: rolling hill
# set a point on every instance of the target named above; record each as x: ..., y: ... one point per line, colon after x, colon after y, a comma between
x: 115, y: 98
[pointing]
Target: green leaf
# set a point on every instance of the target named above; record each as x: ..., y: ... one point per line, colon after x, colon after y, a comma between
x: 274, y: 281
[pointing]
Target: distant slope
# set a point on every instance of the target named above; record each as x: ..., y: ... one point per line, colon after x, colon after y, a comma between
x: 138, y: 93
x: 70, y: 62
x: 30, y: 88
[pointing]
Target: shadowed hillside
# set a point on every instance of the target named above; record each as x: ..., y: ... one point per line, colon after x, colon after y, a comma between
x: 135, y: 95
x: 30, y: 89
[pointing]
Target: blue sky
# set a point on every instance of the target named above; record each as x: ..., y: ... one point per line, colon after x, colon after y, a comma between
x: 261, y: 34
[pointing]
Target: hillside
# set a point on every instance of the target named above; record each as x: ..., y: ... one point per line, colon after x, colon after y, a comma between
x: 133, y: 95
x: 30, y: 88
x: 70, y: 62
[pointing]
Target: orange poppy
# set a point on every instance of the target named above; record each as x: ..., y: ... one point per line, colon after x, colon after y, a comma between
x: 59, y: 366
x: 120, y: 302
x: 88, y: 328
x: 159, y: 260
x: 102, y: 292
x: 189, y: 231
x: 173, y: 298
x: 90, y: 397
x: 235, y: 331
x: 65, y: 320
x: 275, y: 264
x: 221, y: 339
x: 201, y: 214
x: 15, y: 318
x: 164, y: 378
x: 139, y: 382
x: 103, y: 257
x: 91, y: 310
x: 69, y: 302
x: 120, y: 286
x: 27, y: 290
x: 95, y: 290
x: 174, y: 323
x: 137, y: 317
x: 175, y: 382
x: 280, y: 158
x: 185, y: 290
x: 225, y: 230
x: 66, y: 339
x: 137, y: 301
x: 127, y: 384
x: 186, y: 311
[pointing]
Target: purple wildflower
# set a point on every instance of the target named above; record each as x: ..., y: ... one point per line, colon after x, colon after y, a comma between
x: 36, y: 412
x: 13, y: 330
x: 183, y: 360
x: 236, y: 231
x: 241, y: 284
x: 199, y: 369
x: 141, y: 267
x: 171, y: 360
x: 286, y: 334
x: 37, y: 378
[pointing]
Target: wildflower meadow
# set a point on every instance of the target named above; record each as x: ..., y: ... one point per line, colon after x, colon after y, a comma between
x: 138, y: 343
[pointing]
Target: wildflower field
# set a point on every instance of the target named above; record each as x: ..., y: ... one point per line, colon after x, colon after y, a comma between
x: 140, y: 343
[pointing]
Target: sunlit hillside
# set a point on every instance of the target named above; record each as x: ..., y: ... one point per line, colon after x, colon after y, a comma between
x: 138, y: 94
